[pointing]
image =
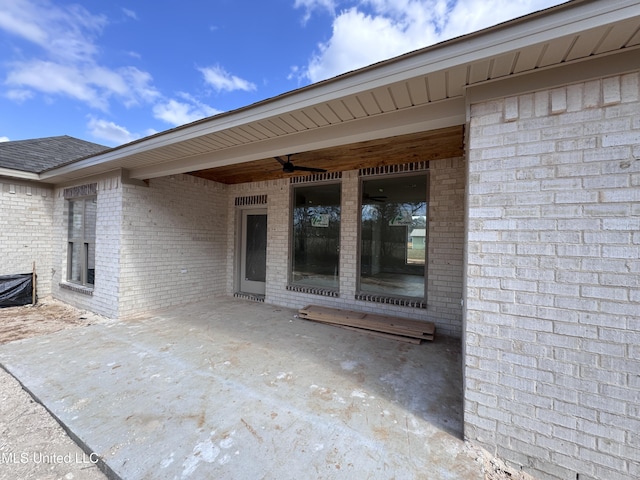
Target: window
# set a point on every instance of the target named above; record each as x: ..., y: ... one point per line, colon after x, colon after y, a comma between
x: 82, y: 241
x: 393, y: 232
x: 316, y: 236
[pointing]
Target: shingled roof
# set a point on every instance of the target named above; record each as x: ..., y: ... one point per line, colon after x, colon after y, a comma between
x: 40, y: 154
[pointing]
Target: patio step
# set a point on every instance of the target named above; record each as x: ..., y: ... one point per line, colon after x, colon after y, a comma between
x: 396, y: 328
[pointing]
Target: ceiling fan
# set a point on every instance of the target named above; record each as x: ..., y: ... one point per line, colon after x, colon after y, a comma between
x: 288, y: 167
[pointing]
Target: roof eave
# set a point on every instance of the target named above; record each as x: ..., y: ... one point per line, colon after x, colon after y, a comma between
x: 543, y: 26
x: 18, y: 174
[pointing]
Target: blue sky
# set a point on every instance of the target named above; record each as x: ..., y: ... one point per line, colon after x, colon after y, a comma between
x: 114, y: 71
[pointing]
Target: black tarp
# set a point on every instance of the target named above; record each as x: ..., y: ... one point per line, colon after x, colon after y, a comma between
x: 16, y: 290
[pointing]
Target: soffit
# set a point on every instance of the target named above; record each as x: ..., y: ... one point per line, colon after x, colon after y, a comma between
x: 417, y: 147
x: 420, y: 91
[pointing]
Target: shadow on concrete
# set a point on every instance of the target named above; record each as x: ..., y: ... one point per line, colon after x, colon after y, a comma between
x: 234, y: 389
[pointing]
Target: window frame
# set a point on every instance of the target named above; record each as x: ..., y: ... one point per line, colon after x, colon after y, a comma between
x: 85, y: 242
x: 291, y: 284
x: 390, y: 296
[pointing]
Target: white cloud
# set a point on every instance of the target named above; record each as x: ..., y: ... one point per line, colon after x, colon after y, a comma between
x: 176, y: 112
x: 49, y: 77
x: 19, y: 95
x: 376, y: 30
x: 383, y: 37
x: 222, y: 80
x: 311, y: 5
x: 92, y: 84
x: 69, y: 66
x: 130, y: 13
x: 4, y: 139
x: 65, y: 32
x: 109, y: 131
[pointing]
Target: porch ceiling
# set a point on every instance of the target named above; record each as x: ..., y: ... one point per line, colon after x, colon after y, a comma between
x: 432, y: 145
x: 417, y: 92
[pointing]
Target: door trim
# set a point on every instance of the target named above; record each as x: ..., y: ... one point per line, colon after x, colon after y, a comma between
x: 246, y: 286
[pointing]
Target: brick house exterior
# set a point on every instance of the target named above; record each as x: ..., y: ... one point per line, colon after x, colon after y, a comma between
x: 533, y: 236
x: 553, y: 277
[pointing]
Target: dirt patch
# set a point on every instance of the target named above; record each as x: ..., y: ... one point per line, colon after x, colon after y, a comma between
x: 494, y: 468
x: 47, y: 316
x: 32, y: 442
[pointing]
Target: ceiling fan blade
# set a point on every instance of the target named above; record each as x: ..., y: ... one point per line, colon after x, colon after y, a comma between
x: 310, y: 169
x: 288, y: 167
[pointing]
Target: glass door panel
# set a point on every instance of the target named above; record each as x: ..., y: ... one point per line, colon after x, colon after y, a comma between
x: 253, y: 252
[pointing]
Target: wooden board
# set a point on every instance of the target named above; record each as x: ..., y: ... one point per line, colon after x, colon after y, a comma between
x: 399, y: 338
x: 402, y: 327
x: 371, y: 321
x: 391, y: 336
x: 438, y: 144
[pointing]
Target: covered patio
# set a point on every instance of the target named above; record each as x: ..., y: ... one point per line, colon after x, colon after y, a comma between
x: 247, y: 390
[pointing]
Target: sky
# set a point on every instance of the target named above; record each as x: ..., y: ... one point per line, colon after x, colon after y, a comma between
x: 114, y: 71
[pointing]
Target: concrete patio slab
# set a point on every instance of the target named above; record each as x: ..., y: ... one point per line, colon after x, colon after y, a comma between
x: 236, y: 390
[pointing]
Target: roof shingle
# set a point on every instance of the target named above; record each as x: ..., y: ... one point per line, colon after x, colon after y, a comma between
x: 40, y: 154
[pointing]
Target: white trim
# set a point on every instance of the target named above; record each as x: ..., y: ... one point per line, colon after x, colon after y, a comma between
x: 8, y: 172
x: 567, y: 19
x: 447, y: 113
x: 617, y: 63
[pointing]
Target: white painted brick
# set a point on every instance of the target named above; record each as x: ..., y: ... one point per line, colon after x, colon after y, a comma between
x: 558, y: 100
x: 614, y: 140
x: 611, y: 461
x: 587, y: 303
x: 511, y: 109
x: 630, y: 87
x: 616, y: 251
x: 625, y: 224
x: 592, y: 94
x: 604, y: 348
x: 23, y: 204
x: 611, y: 93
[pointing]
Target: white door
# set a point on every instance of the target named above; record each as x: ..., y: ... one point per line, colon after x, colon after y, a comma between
x: 253, y: 251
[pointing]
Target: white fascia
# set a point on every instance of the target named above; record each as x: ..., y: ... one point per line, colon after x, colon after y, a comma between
x: 566, y: 19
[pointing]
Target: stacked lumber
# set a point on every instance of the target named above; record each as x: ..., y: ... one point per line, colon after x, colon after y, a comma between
x: 402, y: 329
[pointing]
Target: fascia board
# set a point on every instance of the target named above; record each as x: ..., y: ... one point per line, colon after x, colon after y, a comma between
x: 8, y: 172
x: 566, y: 19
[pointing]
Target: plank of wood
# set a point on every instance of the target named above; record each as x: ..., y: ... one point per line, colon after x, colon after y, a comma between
x: 380, y: 323
x: 399, y: 338
x: 385, y: 323
x: 392, y: 336
x: 316, y: 309
x: 375, y: 333
x: 433, y: 145
x: 397, y: 322
x: 377, y: 327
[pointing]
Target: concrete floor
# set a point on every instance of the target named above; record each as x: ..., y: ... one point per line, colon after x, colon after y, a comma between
x: 239, y: 390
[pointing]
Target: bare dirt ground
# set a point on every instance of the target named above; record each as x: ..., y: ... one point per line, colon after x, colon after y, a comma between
x: 33, y: 445
x: 495, y: 468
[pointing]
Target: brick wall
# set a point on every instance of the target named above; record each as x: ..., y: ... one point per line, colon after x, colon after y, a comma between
x: 26, y: 216
x: 446, y: 240
x: 174, y: 242
x: 103, y: 299
x: 553, y: 289
x: 173, y: 245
